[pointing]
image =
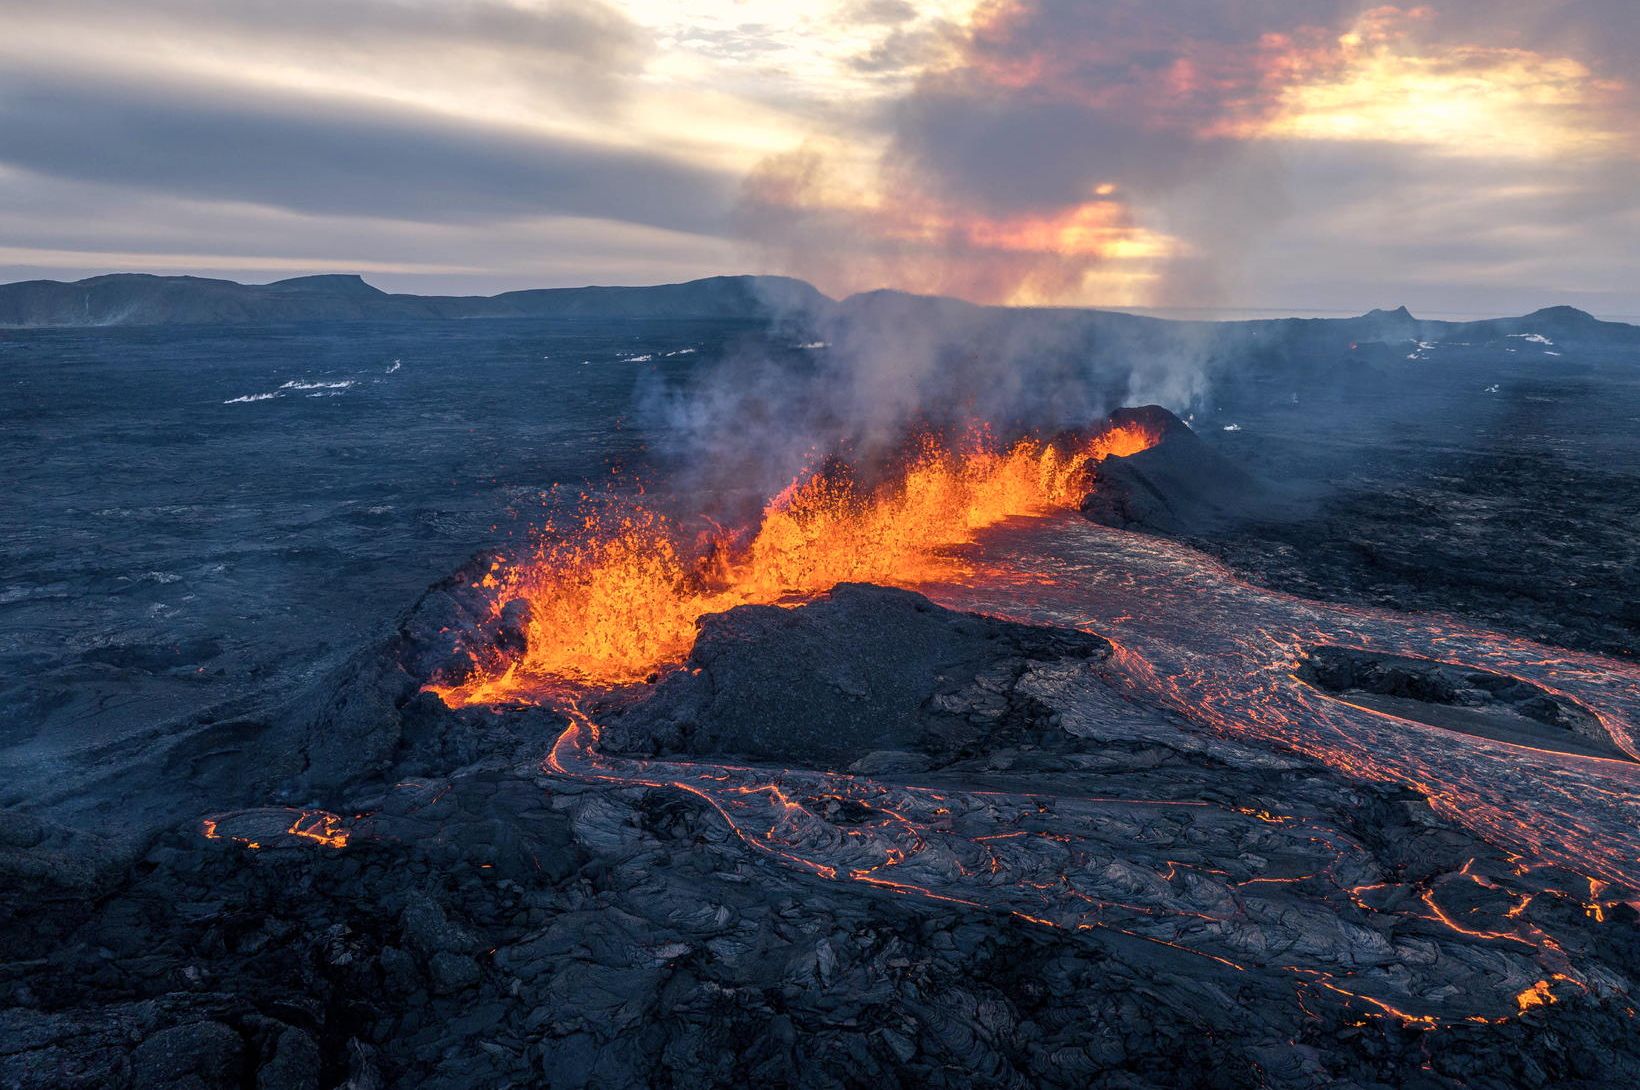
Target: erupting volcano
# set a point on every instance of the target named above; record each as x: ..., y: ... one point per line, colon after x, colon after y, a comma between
x: 1074, y: 754
x: 852, y: 680
x: 1069, y: 618
x: 619, y: 597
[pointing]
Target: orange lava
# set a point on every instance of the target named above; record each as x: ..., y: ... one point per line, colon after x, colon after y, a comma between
x: 321, y: 828
x: 1538, y: 995
x: 318, y: 826
x: 619, y: 599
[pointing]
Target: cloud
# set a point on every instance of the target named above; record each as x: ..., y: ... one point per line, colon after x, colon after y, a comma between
x: 1244, y: 152
x: 574, y: 48
x: 805, y: 217
x: 45, y: 232
x: 1385, y: 224
x: 1390, y: 78
x: 317, y: 154
x: 892, y: 12
x: 1172, y: 127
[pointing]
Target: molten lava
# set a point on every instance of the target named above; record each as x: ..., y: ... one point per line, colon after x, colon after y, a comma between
x: 620, y: 598
x: 1538, y: 995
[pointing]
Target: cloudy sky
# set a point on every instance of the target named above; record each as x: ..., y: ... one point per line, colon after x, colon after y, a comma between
x: 1460, y: 156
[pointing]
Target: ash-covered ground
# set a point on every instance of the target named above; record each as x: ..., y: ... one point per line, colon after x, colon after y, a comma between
x: 1143, y: 826
x: 198, y: 516
x: 1499, y: 485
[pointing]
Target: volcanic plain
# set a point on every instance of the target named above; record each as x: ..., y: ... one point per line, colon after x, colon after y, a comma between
x: 1297, y: 749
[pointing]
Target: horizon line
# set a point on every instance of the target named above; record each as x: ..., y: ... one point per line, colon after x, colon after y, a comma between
x: 1177, y: 313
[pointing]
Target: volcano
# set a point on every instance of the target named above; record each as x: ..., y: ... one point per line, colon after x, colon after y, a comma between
x: 955, y: 771
x: 1177, y: 485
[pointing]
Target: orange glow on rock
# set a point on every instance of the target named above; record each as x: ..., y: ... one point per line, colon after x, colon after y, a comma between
x: 619, y: 599
x: 319, y: 827
x: 254, y: 828
x: 1538, y: 995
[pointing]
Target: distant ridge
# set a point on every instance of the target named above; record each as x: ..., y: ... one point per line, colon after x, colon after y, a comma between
x: 330, y: 283
x: 141, y: 299
x: 131, y: 299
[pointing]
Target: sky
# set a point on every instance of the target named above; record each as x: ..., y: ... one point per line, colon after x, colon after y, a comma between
x: 1461, y: 157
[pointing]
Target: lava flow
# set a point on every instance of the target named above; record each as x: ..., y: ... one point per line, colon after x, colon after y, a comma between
x: 1208, y: 666
x: 1221, y: 652
x: 619, y: 599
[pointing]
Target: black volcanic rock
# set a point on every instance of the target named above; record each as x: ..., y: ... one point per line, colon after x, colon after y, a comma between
x: 1177, y: 486
x: 487, y: 925
x: 860, y: 670
x: 1459, y: 698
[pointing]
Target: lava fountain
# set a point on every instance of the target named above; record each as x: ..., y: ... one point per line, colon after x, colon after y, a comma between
x: 618, y: 599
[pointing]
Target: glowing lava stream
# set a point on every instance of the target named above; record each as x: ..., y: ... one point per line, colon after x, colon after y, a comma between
x: 1057, y: 858
x: 1221, y: 652
x: 1191, y: 639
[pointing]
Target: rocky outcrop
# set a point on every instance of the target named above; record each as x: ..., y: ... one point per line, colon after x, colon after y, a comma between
x: 862, y: 669
x: 1460, y: 698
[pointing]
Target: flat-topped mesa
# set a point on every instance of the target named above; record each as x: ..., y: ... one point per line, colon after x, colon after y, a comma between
x: 331, y: 283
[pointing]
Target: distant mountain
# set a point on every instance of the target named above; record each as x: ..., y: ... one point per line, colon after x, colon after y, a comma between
x: 140, y: 299
x: 350, y: 284
x: 714, y: 297
x: 1555, y: 323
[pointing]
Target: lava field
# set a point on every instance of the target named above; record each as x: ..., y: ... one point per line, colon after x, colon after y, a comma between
x: 1090, y: 760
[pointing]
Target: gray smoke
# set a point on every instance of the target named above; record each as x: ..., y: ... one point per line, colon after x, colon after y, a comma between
x: 858, y: 379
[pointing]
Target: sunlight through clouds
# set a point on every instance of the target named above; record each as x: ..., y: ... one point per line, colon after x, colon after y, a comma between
x: 1380, y: 83
x: 1023, y: 151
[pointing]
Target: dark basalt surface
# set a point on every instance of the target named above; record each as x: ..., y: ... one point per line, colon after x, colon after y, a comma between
x: 1461, y: 698
x: 1554, y: 558
x: 195, y: 630
x: 486, y: 925
x: 1502, y: 489
x: 1179, y: 486
x: 1518, y: 528
x: 863, y: 671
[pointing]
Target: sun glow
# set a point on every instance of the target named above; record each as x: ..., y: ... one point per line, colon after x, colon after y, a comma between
x: 1377, y: 83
